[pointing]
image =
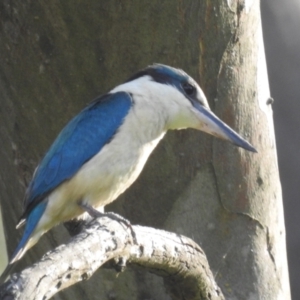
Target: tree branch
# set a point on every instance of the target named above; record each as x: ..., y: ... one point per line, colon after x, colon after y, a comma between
x: 179, y: 260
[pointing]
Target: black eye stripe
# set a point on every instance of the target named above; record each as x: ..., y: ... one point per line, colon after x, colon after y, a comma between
x: 189, y: 89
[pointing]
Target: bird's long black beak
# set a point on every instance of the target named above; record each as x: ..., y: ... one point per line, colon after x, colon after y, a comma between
x: 211, y: 124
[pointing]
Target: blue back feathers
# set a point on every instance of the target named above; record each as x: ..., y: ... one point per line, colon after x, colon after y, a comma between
x: 81, y: 139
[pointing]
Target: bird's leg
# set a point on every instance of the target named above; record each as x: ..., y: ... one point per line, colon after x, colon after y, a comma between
x: 94, y: 213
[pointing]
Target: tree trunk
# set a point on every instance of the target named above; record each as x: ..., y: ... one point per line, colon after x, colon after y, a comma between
x: 57, y: 56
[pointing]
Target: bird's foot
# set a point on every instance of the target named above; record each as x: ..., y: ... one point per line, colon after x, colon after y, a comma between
x: 94, y: 213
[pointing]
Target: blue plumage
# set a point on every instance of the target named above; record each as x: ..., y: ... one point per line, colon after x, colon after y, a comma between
x: 32, y: 221
x: 79, y: 141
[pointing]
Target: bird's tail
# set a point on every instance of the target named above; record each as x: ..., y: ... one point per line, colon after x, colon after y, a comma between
x: 8, y: 270
x: 29, y: 238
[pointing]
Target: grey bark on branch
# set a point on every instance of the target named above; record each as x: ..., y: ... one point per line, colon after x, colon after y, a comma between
x: 178, y: 259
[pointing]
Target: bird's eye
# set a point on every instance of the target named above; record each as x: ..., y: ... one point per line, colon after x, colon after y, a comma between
x: 189, y: 89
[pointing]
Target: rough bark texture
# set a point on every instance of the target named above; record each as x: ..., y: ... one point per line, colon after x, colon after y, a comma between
x: 177, y: 259
x: 56, y: 56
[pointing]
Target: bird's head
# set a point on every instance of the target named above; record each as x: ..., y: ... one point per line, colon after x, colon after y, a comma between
x: 185, y: 102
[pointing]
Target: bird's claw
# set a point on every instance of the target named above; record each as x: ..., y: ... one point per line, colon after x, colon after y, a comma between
x: 94, y: 213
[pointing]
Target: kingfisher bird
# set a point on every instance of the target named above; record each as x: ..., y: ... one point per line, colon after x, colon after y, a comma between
x: 103, y: 149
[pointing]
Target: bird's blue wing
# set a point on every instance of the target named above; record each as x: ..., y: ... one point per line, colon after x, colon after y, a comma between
x: 78, y: 142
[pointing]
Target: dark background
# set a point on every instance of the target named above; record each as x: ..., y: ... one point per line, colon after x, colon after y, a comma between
x: 281, y: 25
